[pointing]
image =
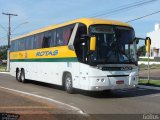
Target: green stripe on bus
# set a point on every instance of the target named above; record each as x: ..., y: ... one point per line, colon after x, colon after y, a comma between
x: 46, y: 60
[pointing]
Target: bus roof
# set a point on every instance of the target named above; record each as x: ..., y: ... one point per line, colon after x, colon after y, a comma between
x: 86, y: 21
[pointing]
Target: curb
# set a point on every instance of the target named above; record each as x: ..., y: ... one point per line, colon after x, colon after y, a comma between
x: 149, y: 87
x: 4, y: 73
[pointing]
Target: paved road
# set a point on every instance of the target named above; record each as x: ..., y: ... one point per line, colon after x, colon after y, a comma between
x: 26, y: 108
x: 154, y: 74
x: 134, y: 101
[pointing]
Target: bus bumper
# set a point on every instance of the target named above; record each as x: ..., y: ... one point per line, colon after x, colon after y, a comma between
x: 112, y: 83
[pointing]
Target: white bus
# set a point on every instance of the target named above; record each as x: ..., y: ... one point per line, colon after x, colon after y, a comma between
x: 88, y: 54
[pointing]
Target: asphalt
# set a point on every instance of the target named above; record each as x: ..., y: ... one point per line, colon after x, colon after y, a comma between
x: 17, y: 106
x: 93, y: 104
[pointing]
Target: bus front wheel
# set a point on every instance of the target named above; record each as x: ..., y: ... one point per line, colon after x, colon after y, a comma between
x: 68, y: 83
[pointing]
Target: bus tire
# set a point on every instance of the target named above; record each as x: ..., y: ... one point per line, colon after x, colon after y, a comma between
x: 22, y: 76
x: 68, y: 83
x: 18, y: 75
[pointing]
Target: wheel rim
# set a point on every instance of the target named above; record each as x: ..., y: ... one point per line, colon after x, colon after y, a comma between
x: 68, y: 83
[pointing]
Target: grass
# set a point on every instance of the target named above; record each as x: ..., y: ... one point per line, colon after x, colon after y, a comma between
x: 146, y: 60
x: 155, y: 83
x: 2, y: 68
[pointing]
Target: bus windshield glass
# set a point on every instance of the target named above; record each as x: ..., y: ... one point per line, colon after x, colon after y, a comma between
x: 114, y: 45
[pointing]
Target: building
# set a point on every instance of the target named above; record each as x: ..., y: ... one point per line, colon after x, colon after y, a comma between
x: 155, y: 45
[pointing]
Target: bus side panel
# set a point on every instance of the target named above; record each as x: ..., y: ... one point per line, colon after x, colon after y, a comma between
x: 38, y: 71
x: 49, y: 72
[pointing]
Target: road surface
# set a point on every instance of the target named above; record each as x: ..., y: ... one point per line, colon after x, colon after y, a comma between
x: 134, y: 101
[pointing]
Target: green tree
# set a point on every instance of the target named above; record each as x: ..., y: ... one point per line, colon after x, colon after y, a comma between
x: 3, y: 52
x: 142, y: 51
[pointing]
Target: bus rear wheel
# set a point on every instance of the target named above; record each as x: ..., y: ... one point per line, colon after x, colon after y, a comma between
x: 22, y: 76
x: 18, y: 75
x: 68, y: 83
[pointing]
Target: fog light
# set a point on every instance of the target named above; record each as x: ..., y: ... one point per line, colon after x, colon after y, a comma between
x: 103, y: 80
x: 134, y: 79
x: 98, y: 80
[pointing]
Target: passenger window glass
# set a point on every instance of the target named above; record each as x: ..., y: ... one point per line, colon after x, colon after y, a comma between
x: 29, y: 43
x: 34, y: 41
x: 39, y: 40
x: 67, y: 31
x: 21, y: 45
x: 47, y: 39
x: 12, y: 46
x: 53, y: 42
x: 59, y: 37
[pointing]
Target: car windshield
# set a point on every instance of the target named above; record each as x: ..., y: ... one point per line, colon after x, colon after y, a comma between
x: 114, y: 44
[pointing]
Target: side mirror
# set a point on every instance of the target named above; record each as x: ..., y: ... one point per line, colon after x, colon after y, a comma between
x: 148, y: 44
x: 137, y: 41
x: 93, y: 43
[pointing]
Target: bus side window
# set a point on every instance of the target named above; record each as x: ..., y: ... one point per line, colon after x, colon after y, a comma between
x: 21, y: 46
x: 27, y: 43
x: 12, y: 46
x: 15, y: 45
x: 39, y: 40
x: 53, y: 38
x: 47, y: 39
x: 59, y: 37
x: 34, y: 41
x: 67, y: 31
x: 31, y: 42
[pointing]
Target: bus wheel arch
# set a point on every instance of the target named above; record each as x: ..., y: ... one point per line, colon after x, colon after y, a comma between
x: 68, y: 82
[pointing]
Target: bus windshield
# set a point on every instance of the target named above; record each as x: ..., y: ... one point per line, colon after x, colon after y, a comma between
x: 114, y: 45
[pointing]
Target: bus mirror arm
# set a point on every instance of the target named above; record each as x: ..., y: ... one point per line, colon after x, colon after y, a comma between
x: 85, y: 37
x: 136, y: 40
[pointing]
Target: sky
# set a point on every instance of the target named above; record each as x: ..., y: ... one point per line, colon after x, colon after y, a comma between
x: 35, y: 14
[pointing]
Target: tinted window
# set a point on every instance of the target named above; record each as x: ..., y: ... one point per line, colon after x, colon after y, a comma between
x: 67, y: 31
x: 47, y: 39
x: 34, y: 41
x: 12, y: 46
x: 53, y: 42
x: 59, y: 37
x: 16, y: 45
x: 56, y: 37
x: 63, y: 35
x: 39, y: 40
x: 29, y: 43
x: 21, y: 44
